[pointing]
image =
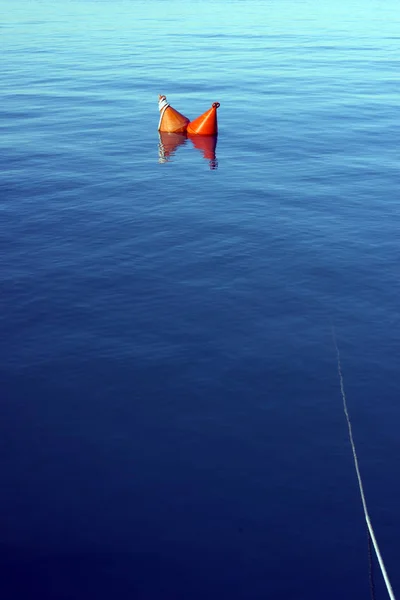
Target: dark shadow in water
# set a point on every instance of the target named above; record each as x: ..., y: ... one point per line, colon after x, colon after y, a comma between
x: 83, y: 575
x: 27, y: 575
x: 170, y: 142
x: 104, y: 574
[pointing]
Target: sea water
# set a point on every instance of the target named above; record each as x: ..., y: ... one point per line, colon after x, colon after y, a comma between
x: 171, y: 417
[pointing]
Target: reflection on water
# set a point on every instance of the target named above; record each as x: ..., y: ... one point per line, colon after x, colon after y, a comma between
x: 207, y: 144
x: 170, y: 142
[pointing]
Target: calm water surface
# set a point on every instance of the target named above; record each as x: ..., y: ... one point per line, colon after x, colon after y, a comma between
x: 171, y: 420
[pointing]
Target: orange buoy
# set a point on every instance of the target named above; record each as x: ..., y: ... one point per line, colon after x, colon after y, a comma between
x: 206, y: 124
x: 171, y: 121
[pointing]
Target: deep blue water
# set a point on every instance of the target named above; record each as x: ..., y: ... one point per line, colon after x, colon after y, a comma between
x: 171, y: 418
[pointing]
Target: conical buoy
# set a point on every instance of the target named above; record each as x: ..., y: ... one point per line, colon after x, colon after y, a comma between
x: 206, y: 124
x: 171, y: 121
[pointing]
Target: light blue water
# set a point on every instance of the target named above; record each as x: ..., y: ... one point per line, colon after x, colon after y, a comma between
x: 171, y: 421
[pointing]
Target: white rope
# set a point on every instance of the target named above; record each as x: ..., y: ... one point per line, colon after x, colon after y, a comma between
x: 162, y: 107
x: 360, y: 484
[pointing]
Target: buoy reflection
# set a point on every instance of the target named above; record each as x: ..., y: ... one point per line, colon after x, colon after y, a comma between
x: 207, y: 144
x: 170, y: 142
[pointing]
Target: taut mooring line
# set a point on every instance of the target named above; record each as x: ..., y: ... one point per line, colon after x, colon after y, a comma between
x: 371, y: 568
x: 360, y: 484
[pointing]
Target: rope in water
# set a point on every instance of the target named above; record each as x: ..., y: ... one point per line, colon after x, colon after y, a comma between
x: 360, y: 484
x: 371, y: 569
